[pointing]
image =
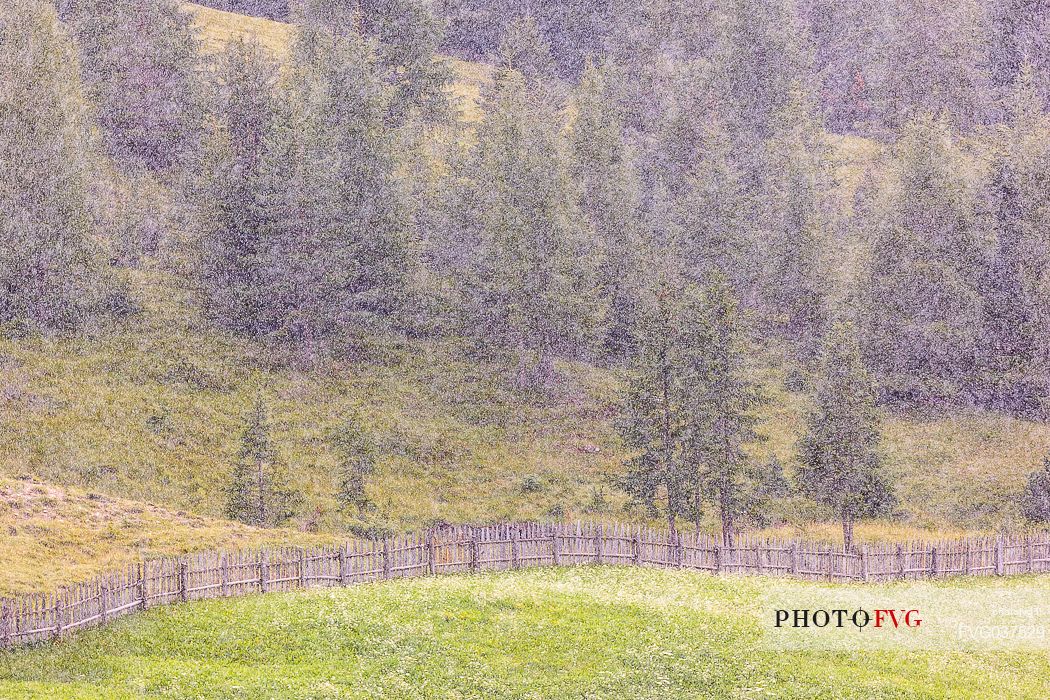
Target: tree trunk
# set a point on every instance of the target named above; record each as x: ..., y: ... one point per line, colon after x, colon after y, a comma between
x: 727, y: 525
x: 847, y: 532
x: 545, y: 366
x: 261, y: 490
x: 522, y: 374
x: 671, y: 515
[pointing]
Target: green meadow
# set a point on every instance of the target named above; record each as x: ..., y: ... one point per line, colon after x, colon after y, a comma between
x: 586, y: 632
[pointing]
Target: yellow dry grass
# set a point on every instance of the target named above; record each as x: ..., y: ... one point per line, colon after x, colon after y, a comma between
x: 50, y: 536
x: 218, y: 28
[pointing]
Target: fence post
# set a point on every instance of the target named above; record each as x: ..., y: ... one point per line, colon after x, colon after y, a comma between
x: 637, y: 549
x: 718, y: 559
x: 473, y: 549
x: 431, y: 551
x: 514, y: 553
x: 933, y: 562
x: 759, y: 563
x: 344, y: 570
x: 184, y: 579
x: 103, y: 602
x: 794, y: 558
x: 264, y: 571
x: 900, y: 562
x: 599, y: 543
x: 142, y: 584
x: 1028, y: 547
x: 966, y: 559
x: 60, y: 612
x: 302, y: 568
x: 386, y: 557
x: 680, y: 551
x: 556, y: 547
x: 224, y: 576
x: 864, y: 563
x: 999, y: 567
x: 6, y: 623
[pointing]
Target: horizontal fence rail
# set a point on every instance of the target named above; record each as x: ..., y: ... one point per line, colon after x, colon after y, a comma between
x: 463, y: 548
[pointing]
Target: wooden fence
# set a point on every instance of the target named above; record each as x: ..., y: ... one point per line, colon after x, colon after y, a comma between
x: 35, y: 617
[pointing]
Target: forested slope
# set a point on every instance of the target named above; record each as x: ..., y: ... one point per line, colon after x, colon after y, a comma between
x: 423, y: 290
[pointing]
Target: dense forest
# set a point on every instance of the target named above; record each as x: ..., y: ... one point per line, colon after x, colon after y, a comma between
x: 650, y: 189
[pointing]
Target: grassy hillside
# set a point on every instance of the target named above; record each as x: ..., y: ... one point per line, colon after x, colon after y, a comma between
x: 570, y: 633
x: 53, y: 535
x: 151, y: 411
x: 217, y: 28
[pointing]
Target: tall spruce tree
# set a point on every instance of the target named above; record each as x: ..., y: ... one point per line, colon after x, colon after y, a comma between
x: 337, y: 253
x: 722, y: 403
x: 1013, y: 360
x: 934, y: 58
x: 1035, y: 500
x: 921, y: 302
x: 689, y: 408
x: 610, y: 201
x: 523, y: 49
x: 356, y: 454
x: 258, y: 492
x: 529, y: 289
x: 408, y: 37
x: 233, y: 243
x: 839, y: 460
x: 797, y: 187
x: 760, y: 55
x: 712, y: 211
x: 653, y: 418
x: 1018, y: 35
x: 50, y: 271
x: 142, y: 65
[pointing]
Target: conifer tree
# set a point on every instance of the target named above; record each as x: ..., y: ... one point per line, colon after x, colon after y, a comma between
x: 356, y: 454
x: 410, y: 36
x: 934, y: 58
x: 770, y: 486
x: 1015, y: 316
x: 921, y: 301
x: 758, y: 59
x: 690, y: 409
x: 529, y: 289
x: 142, y: 68
x: 337, y: 256
x: 50, y: 272
x: 1035, y: 501
x: 839, y: 461
x: 258, y: 492
x: 524, y: 50
x: 610, y: 201
x: 797, y: 192
x: 653, y: 419
x: 722, y: 403
x: 714, y: 231
x: 234, y: 244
